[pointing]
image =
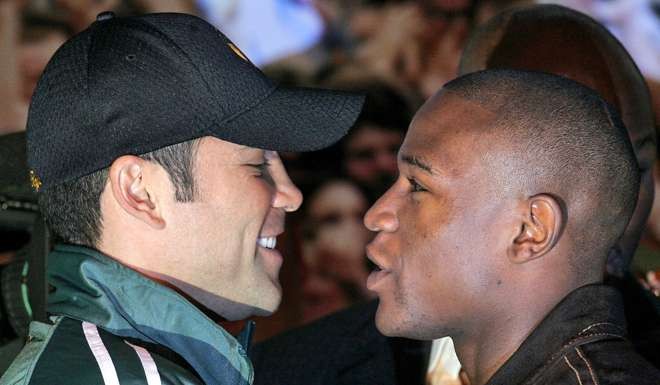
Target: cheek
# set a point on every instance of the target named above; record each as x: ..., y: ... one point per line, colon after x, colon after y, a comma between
x: 442, y: 248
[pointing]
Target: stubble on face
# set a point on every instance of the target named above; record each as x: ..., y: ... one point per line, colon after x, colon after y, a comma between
x: 442, y: 246
x: 216, y: 258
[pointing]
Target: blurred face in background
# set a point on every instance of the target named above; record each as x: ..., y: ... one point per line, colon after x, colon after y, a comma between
x: 333, y: 252
x: 338, y: 236
x: 370, y: 157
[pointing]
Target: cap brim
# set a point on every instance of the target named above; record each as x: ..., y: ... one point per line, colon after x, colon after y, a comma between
x: 294, y: 119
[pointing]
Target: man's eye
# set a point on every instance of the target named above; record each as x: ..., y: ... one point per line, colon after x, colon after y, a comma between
x: 262, y: 168
x: 414, y: 186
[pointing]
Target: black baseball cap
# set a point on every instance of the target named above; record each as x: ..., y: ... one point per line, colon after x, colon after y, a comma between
x: 131, y: 85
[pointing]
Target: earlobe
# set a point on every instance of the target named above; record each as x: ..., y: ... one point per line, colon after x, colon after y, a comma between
x: 130, y: 190
x: 540, y: 229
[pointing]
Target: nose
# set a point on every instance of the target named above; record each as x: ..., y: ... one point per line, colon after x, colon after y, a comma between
x: 382, y: 216
x: 287, y: 195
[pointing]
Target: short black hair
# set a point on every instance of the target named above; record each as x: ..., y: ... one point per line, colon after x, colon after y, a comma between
x: 72, y: 209
x: 563, y: 139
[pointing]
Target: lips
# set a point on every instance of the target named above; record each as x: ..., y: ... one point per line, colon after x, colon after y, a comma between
x: 380, y: 273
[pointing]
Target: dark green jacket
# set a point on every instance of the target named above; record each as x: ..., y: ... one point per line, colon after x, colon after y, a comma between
x: 108, y: 324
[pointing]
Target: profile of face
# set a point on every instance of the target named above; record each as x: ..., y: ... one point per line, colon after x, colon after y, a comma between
x: 443, y: 228
x: 219, y: 248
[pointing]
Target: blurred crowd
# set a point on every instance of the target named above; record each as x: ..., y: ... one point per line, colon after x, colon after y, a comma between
x: 399, y: 52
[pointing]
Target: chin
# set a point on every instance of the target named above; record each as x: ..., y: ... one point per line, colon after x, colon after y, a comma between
x: 386, y: 323
x: 265, y: 301
x: 271, y: 306
x: 398, y: 323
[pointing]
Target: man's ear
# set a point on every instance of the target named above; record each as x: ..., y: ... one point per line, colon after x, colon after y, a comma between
x: 130, y: 189
x: 542, y: 225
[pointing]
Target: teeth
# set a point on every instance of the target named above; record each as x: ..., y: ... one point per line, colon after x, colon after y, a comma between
x: 267, y: 242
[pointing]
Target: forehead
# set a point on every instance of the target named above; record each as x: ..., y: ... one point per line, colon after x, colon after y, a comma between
x: 449, y: 132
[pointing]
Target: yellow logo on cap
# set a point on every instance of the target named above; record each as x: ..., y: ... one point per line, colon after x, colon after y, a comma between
x: 238, y: 52
x: 35, y: 181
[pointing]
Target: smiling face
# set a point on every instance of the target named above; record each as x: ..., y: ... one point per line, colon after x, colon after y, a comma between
x: 440, y: 261
x: 221, y: 245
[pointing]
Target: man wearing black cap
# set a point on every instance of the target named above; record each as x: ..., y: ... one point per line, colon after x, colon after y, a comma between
x: 152, y: 141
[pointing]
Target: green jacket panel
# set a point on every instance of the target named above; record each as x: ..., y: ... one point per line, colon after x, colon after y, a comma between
x: 100, y: 305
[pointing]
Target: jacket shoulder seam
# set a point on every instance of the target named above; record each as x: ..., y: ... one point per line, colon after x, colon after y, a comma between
x: 35, y: 360
x: 586, y: 361
x: 50, y: 334
x: 575, y: 371
x: 577, y: 339
x: 600, y: 324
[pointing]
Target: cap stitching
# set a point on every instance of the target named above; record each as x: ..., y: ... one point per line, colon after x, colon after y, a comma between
x: 185, y: 54
x: 250, y: 106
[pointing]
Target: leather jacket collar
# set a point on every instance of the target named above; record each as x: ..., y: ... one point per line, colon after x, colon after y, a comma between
x: 588, y: 313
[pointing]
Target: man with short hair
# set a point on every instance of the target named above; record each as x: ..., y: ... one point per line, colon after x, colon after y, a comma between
x: 513, y: 187
x: 529, y: 38
x: 152, y: 141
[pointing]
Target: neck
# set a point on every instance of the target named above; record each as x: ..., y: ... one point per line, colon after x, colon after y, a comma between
x: 482, y: 356
x: 488, y: 346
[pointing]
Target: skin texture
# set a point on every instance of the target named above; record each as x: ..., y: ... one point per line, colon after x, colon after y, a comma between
x: 207, y: 249
x: 461, y: 248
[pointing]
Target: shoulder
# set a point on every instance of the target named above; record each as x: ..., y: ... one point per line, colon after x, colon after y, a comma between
x: 606, y: 362
x: 44, y: 352
x: 80, y: 353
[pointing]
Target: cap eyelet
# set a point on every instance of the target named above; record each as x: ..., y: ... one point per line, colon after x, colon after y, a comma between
x: 131, y: 57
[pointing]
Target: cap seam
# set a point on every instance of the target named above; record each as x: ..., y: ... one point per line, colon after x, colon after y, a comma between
x: 246, y: 108
x: 87, y: 106
x: 185, y: 54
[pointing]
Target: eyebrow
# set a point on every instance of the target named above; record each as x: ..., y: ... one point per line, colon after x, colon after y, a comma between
x: 418, y: 162
x: 249, y: 150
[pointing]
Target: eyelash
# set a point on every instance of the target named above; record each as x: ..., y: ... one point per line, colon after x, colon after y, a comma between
x: 261, y: 167
x: 414, y: 186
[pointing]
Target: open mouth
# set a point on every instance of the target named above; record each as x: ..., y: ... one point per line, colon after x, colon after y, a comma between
x: 376, y: 278
x: 267, y: 242
x: 379, y: 272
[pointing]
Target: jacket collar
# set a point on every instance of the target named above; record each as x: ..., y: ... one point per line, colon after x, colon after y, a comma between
x: 92, y: 287
x: 587, y: 311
